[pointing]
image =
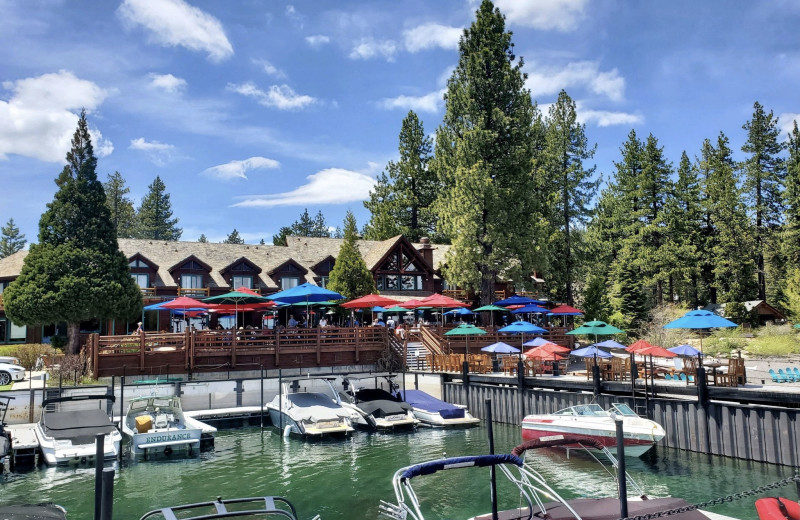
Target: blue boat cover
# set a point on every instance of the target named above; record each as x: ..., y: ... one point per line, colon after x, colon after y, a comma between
x: 430, y: 467
x: 423, y: 401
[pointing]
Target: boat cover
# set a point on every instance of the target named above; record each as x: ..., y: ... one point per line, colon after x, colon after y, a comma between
x: 607, y: 509
x: 380, y: 403
x: 32, y: 512
x: 79, y: 426
x: 423, y: 401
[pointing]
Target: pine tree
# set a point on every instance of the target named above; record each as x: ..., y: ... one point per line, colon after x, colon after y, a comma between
x: 764, y: 177
x: 123, y: 216
x: 280, y: 238
x: 262, y: 242
x: 401, y: 200
x: 154, y: 216
x: 233, y: 238
x: 203, y: 239
x: 483, y: 159
x: 350, y: 276
x: 76, y: 272
x: 791, y: 235
x: 562, y: 173
x: 305, y: 226
x: 11, y: 240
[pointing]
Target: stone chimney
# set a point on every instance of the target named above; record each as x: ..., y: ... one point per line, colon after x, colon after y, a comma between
x: 426, y: 251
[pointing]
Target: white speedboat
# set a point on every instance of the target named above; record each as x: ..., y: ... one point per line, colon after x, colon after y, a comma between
x: 435, y: 412
x: 537, y: 499
x: 68, y: 435
x: 310, y: 414
x: 590, y: 421
x: 158, y: 423
x: 375, y: 408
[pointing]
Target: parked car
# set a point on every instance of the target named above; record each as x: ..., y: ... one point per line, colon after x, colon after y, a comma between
x: 11, y: 372
x: 9, y: 359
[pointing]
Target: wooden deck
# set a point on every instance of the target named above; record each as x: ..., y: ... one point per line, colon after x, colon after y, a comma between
x: 209, y: 351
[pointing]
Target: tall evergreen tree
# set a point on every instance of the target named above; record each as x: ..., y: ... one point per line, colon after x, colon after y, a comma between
x: 233, y: 238
x: 123, y: 216
x: 305, y: 226
x: 11, y: 240
x: 764, y: 176
x: 350, y: 276
x: 733, y: 248
x: 203, y: 239
x: 561, y: 171
x: 76, y: 272
x: 154, y: 216
x: 401, y: 200
x: 483, y: 160
x: 791, y: 235
x: 707, y: 292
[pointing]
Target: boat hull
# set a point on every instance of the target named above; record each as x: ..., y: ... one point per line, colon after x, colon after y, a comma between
x: 637, y: 441
x: 59, y: 453
x: 299, y: 427
x: 435, y: 419
x: 167, y: 441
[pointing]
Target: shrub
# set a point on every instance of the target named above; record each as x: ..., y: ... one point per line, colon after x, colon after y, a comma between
x: 74, y: 368
x: 58, y: 341
x: 30, y: 352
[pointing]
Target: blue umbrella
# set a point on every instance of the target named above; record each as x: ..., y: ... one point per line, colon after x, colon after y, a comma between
x: 700, y: 319
x: 500, y: 348
x: 522, y: 327
x: 518, y: 300
x: 378, y: 308
x: 537, y: 342
x: 307, y: 292
x: 590, y: 351
x: 685, y: 350
x: 460, y: 310
x: 609, y: 343
x: 530, y: 308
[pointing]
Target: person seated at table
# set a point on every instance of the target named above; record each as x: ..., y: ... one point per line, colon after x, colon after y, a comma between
x: 138, y: 329
x: 380, y: 323
x: 323, y: 322
x: 292, y: 322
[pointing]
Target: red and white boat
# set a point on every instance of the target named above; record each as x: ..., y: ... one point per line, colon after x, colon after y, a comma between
x: 590, y: 421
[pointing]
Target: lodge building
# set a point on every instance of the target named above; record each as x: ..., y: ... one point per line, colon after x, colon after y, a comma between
x: 166, y: 269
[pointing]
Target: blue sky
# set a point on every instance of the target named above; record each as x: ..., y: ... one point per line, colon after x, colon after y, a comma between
x: 251, y: 111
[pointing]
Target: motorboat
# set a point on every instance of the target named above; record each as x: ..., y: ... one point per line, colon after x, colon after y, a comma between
x: 590, y: 421
x: 33, y: 512
x: 68, y: 435
x: 375, y: 408
x: 777, y: 508
x: 437, y: 413
x: 536, y: 497
x: 310, y: 414
x: 255, y: 507
x: 5, y: 436
x: 158, y: 423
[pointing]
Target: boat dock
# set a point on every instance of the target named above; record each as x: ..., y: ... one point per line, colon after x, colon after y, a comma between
x: 24, y: 445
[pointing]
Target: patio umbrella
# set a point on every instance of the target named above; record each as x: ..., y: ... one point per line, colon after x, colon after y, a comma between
x: 656, y: 351
x: 518, y: 300
x: 700, y: 319
x: 413, y: 304
x: 591, y: 351
x: 522, y: 327
x: 307, y: 292
x: 491, y: 308
x: 370, y: 300
x: 465, y: 329
x: 531, y: 308
x: 685, y: 350
x: 550, y: 347
x: 639, y: 345
x: 396, y: 308
x: 543, y: 355
x: 609, y: 343
x: 237, y: 298
x: 442, y: 302
x: 536, y: 342
x: 184, y: 303
x: 500, y: 348
x: 564, y: 311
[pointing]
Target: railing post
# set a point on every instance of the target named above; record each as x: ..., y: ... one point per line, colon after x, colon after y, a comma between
x: 94, y: 342
x: 277, y: 347
x: 233, y: 347
x: 141, y: 351
x: 319, y: 345
x: 187, y: 346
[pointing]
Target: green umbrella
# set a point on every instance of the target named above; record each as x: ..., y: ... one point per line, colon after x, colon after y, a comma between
x: 465, y: 329
x: 488, y: 308
x: 596, y: 328
x: 396, y: 308
x: 236, y: 298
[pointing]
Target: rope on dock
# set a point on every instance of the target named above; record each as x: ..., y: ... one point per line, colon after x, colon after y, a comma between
x: 717, y: 501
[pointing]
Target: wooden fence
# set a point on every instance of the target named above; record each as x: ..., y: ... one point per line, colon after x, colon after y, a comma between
x: 758, y: 433
x: 208, y: 351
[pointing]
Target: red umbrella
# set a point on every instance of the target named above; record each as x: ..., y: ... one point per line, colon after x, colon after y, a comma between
x: 184, y: 302
x: 413, y: 304
x: 370, y: 300
x: 656, y: 351
x: 543, y: 354
x: 639, y: 345
x: 441, y: 301
x: 552, y: 347
x: 565, y: 310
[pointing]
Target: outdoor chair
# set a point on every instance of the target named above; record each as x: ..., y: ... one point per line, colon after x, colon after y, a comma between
x: 790, y: 375
x: 796, y: 374
x: 782, y: 375
x: 684, y: 378
x: 776, y: 378
x: 667, y: 377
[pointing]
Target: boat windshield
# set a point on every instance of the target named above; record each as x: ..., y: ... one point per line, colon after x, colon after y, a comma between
x: 623, y: 409
x: 583, y: 409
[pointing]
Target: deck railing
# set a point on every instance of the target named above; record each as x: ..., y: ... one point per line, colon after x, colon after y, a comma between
x: 209, y: 351
x: 193, y: 292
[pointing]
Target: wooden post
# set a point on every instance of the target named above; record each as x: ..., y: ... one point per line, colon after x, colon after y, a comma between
x: 357, y: 336
x: 188, y: 339
x: 141, y: 351
x: 277, y: 347
x: 319, y: 345
x: 190, y: 354
x: 233, y: 347
x: 94, y: 344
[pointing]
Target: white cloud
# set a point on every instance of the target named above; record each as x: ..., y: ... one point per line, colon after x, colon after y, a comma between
x: 558, y: 15
x: 329, y: 186
x: 167, y: 83
x: 317, y: 40
x: 787, y: 120
x: 544, y: 80
x: 39, y: 118
x: 369, y: 48
x: 431, y: 35
x: 238, y: 169
x: 175, y: 23
x: 428, y: 103
x: 158, y: 153
x: 270, y: 69
x: 102, y: 146
x: 604, y: 118
x: 281, y: 97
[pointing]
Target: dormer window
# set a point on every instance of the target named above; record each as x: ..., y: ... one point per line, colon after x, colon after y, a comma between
x: 138, y: 263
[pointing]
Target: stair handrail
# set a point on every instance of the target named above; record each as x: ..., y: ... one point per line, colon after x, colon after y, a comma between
x: 431, y: 341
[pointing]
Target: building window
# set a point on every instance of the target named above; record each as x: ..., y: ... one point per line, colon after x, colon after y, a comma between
x: 142, y: 280
x: 138, y: 263
x: 192, y: 281
x: 3, y: 285
x: 242, y: 281
x: 287, y: 282
x: 323, y: 281
x: 16, y: 332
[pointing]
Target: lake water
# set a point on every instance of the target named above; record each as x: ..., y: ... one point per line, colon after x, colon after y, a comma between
x: 346, y: 478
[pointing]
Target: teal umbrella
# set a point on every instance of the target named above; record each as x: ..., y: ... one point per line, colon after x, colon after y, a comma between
x: 465, y: 329
x: 596, y: 328
x: 700, y: 319
x: 236, y: 298
x: 490, y: 308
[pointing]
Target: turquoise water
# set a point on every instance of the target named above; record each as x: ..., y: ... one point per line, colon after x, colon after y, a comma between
x: 346, y: 478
